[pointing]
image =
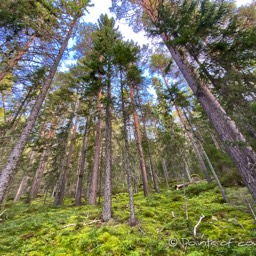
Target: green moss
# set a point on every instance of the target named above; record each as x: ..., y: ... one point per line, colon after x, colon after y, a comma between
x: 42, y: 230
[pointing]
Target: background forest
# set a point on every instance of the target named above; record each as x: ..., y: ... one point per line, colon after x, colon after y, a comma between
x: 115, y: 133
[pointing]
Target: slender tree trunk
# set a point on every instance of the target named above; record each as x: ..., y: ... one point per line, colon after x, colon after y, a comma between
x: 234, y: 142
x: 139, y: 145
x: 127, y: 160
x: 38, y: 177
x: 214, y: 174
x: 216, y: 143
x: 107, y: 207
x: 195, y: 146
x: 59, y: 198
x: 165, y: 172
x: 100, y: 174
x: 13, y: 62
x: 187, y: 170
x: 79, y: 186
x: 96, y: 163
x: 21, y: 188
x: 152, y: 168
x: 156, y: 186
x: 10, y: 167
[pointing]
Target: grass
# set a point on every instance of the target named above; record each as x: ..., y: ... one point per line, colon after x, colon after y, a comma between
x: 162, y: 227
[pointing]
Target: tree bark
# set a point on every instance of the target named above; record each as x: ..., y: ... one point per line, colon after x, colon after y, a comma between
x: 139, y: 145
x: 79, y: 186
x: 12, y: 162
x: 155, y: 182
x: 234, y: 142
x: 133, y: 221
x: 165, y: 172
x: 13, y: 62
x: 59, y: 198
x: 96, y: 163
x: 152, y: 168
x: 38, y: 177
x: 107, y: 207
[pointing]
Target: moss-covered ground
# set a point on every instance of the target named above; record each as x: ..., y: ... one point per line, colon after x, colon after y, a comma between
x: 162, y: 229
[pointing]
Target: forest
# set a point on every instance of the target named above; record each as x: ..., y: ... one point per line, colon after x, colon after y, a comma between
x: 108, y: 147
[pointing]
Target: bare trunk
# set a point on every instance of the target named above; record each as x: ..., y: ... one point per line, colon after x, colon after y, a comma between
x: 13, y: 62
x: 152, y: 168
x: 127, y: 160
x: 59, y: 198
x: 21, y: 188
x: 156, y: 186
x: 234, y: 142
x: 107, y: 207
x: 10, y: 167
x: 100, y: 174
x: 38, y: 177
x: 96, y: 163
x: 216, y: 143
x: 215, y: 175
x: 139, y: 145
x: 79, y: 186
x: 187, y: 170
x: 165, y: 172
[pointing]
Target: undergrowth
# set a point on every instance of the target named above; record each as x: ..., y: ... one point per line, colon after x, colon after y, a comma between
x: 162, y: 229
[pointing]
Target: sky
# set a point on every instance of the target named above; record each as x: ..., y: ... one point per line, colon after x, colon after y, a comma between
x: 102, y: 6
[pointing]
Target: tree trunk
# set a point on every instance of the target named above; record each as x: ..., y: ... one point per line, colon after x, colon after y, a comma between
x: 10, y: 167
x: 21, y: 188
x: 216, y: 143
x: 165, y: 172
x: 187, y: 170
x: 38, y: 177
x: 59, y: 198
x: 214, y: 174
x: 152, y: 168
x: 155, y: 182
x: 139, y: 145
x: 13, y: 62
x: 195, y: 146
x: 127, y: 160
x: 107, y: 207
x: 234, y: 142
x: 96, y: 163
x: 79, y: 186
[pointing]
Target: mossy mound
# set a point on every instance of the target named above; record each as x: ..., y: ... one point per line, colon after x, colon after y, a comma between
x: 162, y: 229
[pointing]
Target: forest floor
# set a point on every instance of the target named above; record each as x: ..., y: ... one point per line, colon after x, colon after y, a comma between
x: 162, y: 229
